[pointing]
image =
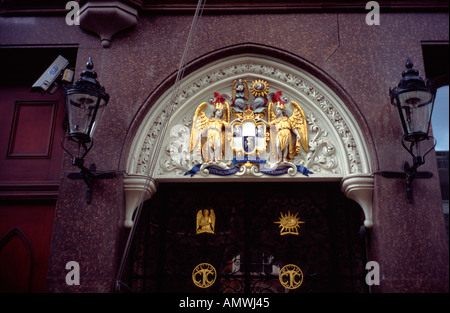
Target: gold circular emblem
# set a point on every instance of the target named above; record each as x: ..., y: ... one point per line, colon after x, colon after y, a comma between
x: 204, y: 275
x: 291, y: 276
x: 259, y: 88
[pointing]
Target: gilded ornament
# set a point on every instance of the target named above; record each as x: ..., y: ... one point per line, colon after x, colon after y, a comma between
x: 289, y: 224
x: 206, y: 221
x: 288, y: 133
x: 291, y: 276
x: 208, y: 133
x: 249, y: 143
x: 204, y: 275
x: 259, y: 88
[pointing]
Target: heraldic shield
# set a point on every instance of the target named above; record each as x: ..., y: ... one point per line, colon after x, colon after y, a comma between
x: 249, y: 136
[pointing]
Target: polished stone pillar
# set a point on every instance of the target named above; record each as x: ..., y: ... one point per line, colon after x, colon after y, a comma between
x: 89, y: 234
x: 409, y: 240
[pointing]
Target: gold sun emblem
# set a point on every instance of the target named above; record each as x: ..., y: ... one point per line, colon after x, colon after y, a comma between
x: 259, y: 88
x: 289, y: 224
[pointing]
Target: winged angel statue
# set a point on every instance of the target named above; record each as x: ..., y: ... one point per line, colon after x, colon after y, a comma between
x: 287, y: 133
x: 206, y: 221
x: 208, y: 133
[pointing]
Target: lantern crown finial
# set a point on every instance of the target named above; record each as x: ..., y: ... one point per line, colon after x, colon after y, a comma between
x: 89, y: 64
x: 89, y: 74
x: 410, y: 71
x: 409, y: 64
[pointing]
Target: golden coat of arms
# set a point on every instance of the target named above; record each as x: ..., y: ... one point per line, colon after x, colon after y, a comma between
x: 242, y: 133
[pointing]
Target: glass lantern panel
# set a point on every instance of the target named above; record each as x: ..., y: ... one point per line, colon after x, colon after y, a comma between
x: 81, y: 112
x: 416, y: 109
x: 97, y: 117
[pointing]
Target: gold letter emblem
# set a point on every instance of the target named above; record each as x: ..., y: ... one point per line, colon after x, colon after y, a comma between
x: 291, y: 276
x: 204, y: 275
x: 206, y: 221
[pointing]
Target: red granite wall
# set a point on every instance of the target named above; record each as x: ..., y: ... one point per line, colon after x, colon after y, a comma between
x: 358, y: 60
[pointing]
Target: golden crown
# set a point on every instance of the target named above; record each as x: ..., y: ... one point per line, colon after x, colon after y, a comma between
x: 218, y: 105
x: 276, y: 98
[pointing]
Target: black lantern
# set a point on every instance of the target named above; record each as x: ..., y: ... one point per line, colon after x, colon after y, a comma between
x: 414, y: 99
x: 85, y: 101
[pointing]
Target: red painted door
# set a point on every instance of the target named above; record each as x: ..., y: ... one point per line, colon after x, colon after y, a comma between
x: 30, y: 165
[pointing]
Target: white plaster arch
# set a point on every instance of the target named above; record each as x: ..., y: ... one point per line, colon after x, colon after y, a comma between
x: 337, y: 148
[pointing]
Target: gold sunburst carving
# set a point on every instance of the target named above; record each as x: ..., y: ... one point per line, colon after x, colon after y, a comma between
x: 289, y: 223
x: 259, y: 88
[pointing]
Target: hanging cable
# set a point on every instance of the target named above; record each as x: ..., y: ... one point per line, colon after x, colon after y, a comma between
x: 153, y: 157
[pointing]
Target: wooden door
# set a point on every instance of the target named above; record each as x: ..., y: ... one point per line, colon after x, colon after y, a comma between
x: 30, y: 167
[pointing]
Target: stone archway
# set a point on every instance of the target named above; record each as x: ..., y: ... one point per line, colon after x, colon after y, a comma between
x: 338, y: 148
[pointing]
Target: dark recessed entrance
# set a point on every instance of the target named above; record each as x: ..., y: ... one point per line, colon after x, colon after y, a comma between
x: 247, y: 249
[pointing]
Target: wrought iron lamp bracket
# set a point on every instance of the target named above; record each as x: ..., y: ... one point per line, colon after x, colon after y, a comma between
x: 88, y: 175
x: 410, y: 172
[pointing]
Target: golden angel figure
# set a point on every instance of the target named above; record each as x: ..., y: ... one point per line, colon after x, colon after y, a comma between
x: 288, y: 133
x: 208, y: 134
x: 206, y: 221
